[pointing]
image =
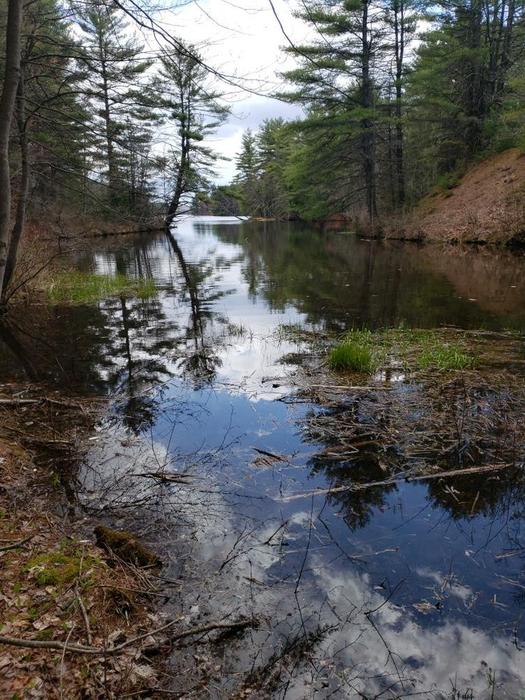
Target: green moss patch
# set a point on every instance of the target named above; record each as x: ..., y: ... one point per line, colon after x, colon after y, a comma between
x: 59, y: 567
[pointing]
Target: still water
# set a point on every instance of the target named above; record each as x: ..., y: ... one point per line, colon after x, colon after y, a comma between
x: 390, y: 592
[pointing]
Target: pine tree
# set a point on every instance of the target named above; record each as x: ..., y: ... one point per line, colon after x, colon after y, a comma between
x: 272, y: 154
x: 247, y: 172
x: 460, y: 80
x: 340, y: 77
x: 117, y: 85
x: 195, y: 111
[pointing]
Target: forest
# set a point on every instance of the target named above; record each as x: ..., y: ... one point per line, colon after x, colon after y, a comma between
x: 398, y: 97
x: 262, y: 331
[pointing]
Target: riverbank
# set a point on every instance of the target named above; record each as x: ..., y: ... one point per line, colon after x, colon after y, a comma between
x: 484, y: 206
x: 77, y: 620
x: 83, y: 607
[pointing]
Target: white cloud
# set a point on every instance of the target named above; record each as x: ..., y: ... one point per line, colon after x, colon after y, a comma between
x: 242, y: 40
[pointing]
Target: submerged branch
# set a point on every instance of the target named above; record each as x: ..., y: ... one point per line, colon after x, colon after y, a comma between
x: 388, y: 482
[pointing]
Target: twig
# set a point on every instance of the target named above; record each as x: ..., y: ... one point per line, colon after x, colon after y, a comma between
x: 171, y: 478
x: 85, y: 617
x: 62, y: 660
x: 241, y: 624
x: 387, y: 482
x: 16, y: 544
x: 378, y: 387
x: 110, y: 651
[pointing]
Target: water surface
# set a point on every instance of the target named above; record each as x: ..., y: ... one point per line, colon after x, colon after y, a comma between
x: 394, y: 591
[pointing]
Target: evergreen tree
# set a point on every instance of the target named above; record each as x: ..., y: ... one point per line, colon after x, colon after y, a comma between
x: 118, y: 88
x: 195, y: 111
x: 340, y: 76
x: 272, y: 155
x: 460, y: 82
x: 247, y: 171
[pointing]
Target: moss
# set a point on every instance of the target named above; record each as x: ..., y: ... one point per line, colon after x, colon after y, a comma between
x: 45, y: 634
x: 86, y: 288
x: 59, y: 567
x: 125, y: 546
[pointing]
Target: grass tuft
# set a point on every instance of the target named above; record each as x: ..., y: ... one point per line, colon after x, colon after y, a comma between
x: 354, y: 353
x: 364, y: 351
x: 87, y: 288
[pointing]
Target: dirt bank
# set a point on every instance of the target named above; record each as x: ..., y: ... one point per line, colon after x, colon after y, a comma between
x: 487, y: 205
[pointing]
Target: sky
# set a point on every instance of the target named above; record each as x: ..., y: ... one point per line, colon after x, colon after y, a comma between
x: 241, y: 38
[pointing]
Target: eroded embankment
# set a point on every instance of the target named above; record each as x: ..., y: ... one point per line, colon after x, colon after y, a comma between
x: 486, y: 205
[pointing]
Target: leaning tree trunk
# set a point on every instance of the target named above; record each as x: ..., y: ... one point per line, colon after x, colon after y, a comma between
x: 179, y: 187
x: 7, y: 105
x: 23, y: 193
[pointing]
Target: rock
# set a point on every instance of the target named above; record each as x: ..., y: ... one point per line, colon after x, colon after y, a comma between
x: 125, y: 546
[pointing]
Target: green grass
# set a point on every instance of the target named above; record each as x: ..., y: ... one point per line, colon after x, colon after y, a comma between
x: 365, y: 351
x: 351, y: 356
x: 87, y: 288
x: 446, y: 358
x: 354, y: 353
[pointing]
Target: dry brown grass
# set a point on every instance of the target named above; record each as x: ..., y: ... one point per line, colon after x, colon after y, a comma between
x: 487, y: 205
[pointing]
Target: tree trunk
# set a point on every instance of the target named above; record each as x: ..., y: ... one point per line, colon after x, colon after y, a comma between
x: 506, y: 62
x: 399, y: 25
x: 7, y: 105
x: 23, y: 193
x: 367, y: 124
x: 180, y: 184
x: 108, y: 129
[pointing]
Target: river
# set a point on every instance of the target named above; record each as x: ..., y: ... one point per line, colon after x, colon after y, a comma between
x: 392, y: 592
